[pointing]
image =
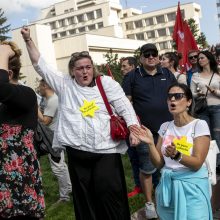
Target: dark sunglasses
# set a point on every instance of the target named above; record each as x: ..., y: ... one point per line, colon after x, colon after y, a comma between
x: 148, y: 54
x: 177, y: 96
x: 193, y: 57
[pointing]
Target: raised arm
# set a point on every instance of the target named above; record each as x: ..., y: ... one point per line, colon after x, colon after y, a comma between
x: 33, y: 52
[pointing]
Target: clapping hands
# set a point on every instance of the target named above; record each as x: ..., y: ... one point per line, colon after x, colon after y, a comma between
x: 143, y: 134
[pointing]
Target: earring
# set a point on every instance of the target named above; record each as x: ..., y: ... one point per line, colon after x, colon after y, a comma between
x: 187, y: 108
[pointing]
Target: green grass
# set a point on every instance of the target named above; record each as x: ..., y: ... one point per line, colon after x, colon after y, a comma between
x: 66, y: 211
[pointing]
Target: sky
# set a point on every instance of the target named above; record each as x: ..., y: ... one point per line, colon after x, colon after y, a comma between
x: 21, y: 12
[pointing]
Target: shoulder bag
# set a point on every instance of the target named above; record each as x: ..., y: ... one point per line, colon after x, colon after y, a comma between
x: 201, y: 102
x: 211, y: 158
x: 118, y: 126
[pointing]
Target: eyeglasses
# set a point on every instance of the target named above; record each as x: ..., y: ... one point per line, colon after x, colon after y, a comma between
x: 78, y: 54
x: 177, y: 96
x: 148, y: 54
x: 193, y: 57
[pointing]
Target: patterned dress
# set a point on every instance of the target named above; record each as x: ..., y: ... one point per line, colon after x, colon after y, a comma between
x: 21, y: 191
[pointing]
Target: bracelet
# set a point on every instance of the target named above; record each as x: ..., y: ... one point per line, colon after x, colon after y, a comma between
x: 29, y: 39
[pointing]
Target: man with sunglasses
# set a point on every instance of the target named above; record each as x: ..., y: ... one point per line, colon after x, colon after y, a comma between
x: 146, y: 87
x: 193, y: 57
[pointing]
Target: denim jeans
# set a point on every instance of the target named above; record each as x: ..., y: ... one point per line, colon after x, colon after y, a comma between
x: 212, y: 117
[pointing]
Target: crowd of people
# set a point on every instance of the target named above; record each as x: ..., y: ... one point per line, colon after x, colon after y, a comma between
x: 156, y: 101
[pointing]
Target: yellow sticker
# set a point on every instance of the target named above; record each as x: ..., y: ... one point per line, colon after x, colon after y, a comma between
x: 88, y: 108
x: 182, y: 145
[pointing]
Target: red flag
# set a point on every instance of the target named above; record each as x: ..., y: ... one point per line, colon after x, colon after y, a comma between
x: 109, y: 71
x: 183, y: 37
x: 190, y: 43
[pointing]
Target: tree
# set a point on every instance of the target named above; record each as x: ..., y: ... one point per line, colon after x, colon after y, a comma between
x: 114, y: 64
x: 4, y: 29
x: 193, y: 27
x: 200, y: 39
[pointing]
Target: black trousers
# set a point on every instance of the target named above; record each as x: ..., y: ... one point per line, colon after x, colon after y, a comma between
x: 99, y: 189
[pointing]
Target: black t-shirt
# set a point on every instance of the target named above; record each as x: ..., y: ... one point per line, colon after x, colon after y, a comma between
x: 18, y: 103
x: 149, y: 95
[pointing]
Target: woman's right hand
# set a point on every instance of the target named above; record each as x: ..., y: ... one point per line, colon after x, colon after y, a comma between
x: 25, y: 31
x: 143, y: 133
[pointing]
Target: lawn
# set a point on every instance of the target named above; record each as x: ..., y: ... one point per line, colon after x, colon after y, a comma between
x: 65, y: 211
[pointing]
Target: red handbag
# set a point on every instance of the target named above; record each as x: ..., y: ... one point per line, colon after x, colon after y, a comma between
x: 118, y: 126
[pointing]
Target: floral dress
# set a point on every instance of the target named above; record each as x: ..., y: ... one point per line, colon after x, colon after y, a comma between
x: 20, y: 189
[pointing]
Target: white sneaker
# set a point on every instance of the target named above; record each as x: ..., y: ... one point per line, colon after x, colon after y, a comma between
x: 150, y: 210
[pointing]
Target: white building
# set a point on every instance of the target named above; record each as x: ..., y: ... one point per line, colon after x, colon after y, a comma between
x: 96, y: 26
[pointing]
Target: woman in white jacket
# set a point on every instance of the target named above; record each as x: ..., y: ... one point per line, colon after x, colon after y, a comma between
x: 99, y: 189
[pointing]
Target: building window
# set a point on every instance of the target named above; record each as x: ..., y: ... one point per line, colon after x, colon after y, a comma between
x: 183, y: 14
x: 91, y: 27
x: 63, y: 34
x: 160, y: 19
x: 53, y: 12
x: 161, y: 32
x: 149, y: 21
x: 100, y: 25
x: 131, y: 36
x: 53, y: 25
x: 98, y: 13
x: 61, y: 23
x: 90, y: 15
x: 54, y: 36
x: 150, y: 34
x: 171, y: 16
x: 163, y: 45
x: 71, y: 20
x: 82, y: 29
x: 72, y: 31
x: 66, y: 11
x: 125, y: 15
x: 80, y: 18
x: 129, y: 25
x: 138, y: 24
x: 140, y: 36
x: 171, y: 30
x: 71, y: 9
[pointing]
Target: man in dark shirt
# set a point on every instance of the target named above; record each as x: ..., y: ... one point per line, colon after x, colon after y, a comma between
x: 147, y: 87
x: 127, y: 65
x: 193, y: 57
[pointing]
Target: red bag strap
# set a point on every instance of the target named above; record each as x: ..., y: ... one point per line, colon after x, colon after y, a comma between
x: 99, y: 84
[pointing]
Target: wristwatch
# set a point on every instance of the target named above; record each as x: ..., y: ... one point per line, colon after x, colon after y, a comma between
x: 177, y: 157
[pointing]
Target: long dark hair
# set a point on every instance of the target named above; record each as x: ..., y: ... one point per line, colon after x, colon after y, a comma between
x: 212, y: 61
x: 187, y: 92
